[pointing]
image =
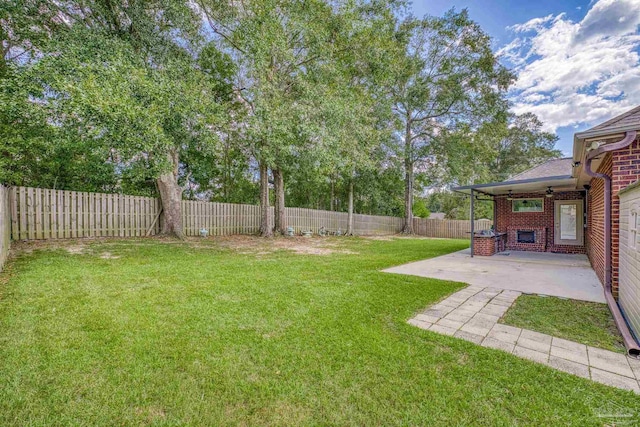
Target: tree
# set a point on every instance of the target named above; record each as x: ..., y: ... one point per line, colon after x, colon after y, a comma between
x: 295, y: 65
x: 496, y: 151
x: 448, y: 77
x: 125, y: 77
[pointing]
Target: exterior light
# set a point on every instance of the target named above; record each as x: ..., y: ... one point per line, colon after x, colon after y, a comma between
x: 510, y: 196
x: 594, y: 145
x: 549, y: 192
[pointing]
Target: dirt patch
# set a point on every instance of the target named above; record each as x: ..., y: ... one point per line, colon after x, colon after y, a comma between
x: 76, y: 250
x: 151, y: 413
x: 310, y: 246
x: 108, y: 255
x: 251, y: 245
x: 76, y: 245
x: 382, y: 238
x: 316, y: 250
x: 246, y: 245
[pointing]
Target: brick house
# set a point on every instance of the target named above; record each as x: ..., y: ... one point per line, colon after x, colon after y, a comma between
x: 569, y: 205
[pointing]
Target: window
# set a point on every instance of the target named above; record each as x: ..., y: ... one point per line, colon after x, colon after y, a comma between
x: 633, y: 229
x: 527, y: 205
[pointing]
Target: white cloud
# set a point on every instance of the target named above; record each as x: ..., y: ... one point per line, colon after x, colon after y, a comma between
x: 534, y: 24
x: 572, y: 73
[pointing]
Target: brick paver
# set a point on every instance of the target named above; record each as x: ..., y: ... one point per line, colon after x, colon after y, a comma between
x: 472, y: 314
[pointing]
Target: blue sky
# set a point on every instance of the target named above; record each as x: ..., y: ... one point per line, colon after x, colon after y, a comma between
x: 578, y: 62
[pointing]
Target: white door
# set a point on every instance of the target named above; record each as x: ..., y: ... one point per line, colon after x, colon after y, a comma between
x: 568, y: 223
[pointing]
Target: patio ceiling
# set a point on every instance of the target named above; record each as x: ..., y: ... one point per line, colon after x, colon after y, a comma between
x: 535, y: 185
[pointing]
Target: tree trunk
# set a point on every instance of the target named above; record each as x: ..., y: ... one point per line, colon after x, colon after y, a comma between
x: 333, y: 195
x: 265, y: 228
x: 171, y: 199
x: 350, y: 212
x: 408, y: 181
x: 278, y: 186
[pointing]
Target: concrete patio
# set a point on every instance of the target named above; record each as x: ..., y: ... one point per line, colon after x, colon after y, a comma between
x: 561, y: 275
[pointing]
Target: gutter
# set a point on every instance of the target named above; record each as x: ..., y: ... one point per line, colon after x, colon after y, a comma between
x: 633, y: 349
x: 609, y: 131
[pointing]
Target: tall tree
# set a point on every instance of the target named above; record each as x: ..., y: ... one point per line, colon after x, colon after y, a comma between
x: 295, y: 59
x: 447, y: 77
x: 124, y: 75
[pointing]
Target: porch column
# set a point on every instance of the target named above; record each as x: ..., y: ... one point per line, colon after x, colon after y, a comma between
x: 473, y: 198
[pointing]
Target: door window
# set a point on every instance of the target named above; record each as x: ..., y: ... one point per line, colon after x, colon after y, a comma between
x: 568, y: 226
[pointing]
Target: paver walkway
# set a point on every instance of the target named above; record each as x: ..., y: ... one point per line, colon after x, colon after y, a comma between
x: 473, y: 313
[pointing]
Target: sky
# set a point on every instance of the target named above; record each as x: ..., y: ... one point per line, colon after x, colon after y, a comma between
x: 578, y: 62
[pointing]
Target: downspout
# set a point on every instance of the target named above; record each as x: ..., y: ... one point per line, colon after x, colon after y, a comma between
x: 629, y: 342
x: 472, y: 215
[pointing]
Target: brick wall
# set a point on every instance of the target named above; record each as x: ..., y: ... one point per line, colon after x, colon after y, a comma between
x: 540, y: 234
x: 508, y: 222
x: 484, y: 246
x: 624, y: 168
x: 595, y: 219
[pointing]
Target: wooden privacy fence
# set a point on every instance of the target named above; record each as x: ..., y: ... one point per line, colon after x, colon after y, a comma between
x: 219, y: 219
x: 446, y: 228
x: 37, y: 214
x: 228, y: 218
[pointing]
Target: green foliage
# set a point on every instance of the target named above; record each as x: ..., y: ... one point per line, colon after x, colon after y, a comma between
x: 499, y: 149
x: 118, y: 86
x: 98, y: 95
x: 420, y: 209
x: 458, y: 206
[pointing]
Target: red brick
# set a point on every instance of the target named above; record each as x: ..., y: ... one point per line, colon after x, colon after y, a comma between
x: 541, y: 222
x: 623, y: 167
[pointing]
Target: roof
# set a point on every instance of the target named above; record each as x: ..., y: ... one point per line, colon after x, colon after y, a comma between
x: 552, y: 173
x: 622, y: 123
x: 554, y: 167
x: 563, y: 182
x: 609, y: 131
x: 631, y: 117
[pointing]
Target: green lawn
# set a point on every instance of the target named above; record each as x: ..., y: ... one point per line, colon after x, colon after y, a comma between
x: 585, y: 322
x: 146, y: 332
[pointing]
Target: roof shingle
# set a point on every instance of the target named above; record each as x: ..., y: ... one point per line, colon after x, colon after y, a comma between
x: 554, y: 167
x: 630, y: 118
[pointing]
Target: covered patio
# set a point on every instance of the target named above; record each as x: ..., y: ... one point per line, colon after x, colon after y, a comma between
x: 561, y: 275
x: 540, y: 210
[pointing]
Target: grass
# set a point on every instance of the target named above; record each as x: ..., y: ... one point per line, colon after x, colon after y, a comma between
x: 146, y: 332
x: 585, y: 322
